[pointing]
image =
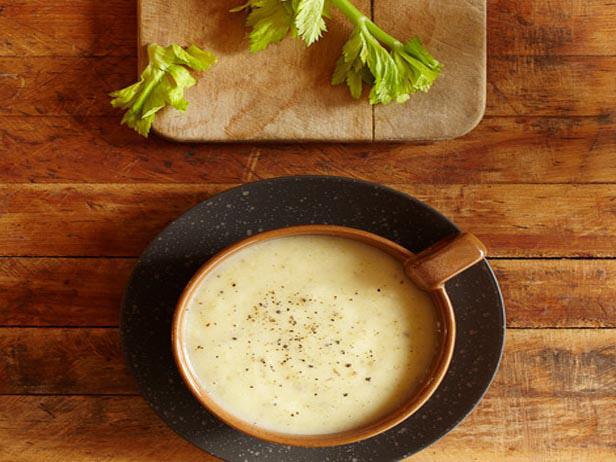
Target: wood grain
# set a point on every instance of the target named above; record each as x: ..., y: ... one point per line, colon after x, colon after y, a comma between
x: 536, y: 363
x: 531, y: 220
x: 557, y: 363
x: 122, y: 429
x: 62, y: 361
x: 88, y: 429
x: 90, y: 220
x: 551, y: 99
x: 551, y: 27
x: 551, y: 85
x: 87, y: 291
x: 91, y: 28
x: 75, y: 28
x: 528, y: 429
x: 100, y: 150
x: 517, y: 86
x: 548, y: 378
x: 119, y: 220
x: 499, y: 150
x: 558, y: 293
x: 62, y: 291
x: 62, y: 86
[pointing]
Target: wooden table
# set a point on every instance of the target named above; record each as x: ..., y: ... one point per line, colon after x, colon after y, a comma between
x: 81, y: 196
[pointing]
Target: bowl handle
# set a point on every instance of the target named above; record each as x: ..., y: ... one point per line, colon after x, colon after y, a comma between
x: 437, y: 264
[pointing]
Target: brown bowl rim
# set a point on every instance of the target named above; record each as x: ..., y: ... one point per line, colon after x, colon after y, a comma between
x: 416, y: 400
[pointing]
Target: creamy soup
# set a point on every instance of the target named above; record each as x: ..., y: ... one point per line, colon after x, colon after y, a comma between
x: 310, y: 334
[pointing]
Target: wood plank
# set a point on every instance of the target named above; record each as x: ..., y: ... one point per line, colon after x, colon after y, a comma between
x: 551, y: 85
x: 91, y: 220
x: 88, y: 429
x: 531, y: 220
x: 62, y: 86
x: 537, y: 363
x: 93, y: 428
x: 530, y: 429
x: 92, y: 28
x: 119, y: 220
x: 534, y: 410
x: 500, y: 150
x: 75, y: 28
x: 62, y: 361
x: 517, y: 86
x: 62, y: 291
x: 87, y: 291
x: 551, y: 27
x: 100, y: 150
x: 558, y: 293
x: 557, y: 363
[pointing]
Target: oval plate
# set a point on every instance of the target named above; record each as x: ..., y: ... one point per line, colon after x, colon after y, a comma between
x: 180, y: 249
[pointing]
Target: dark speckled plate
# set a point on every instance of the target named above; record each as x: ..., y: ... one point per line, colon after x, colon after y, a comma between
x: 172, y: 258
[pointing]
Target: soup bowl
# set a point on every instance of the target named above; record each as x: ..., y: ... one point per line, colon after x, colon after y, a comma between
x: 428, y: 270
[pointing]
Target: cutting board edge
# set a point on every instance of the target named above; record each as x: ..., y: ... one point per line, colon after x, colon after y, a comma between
x: 264, y: 139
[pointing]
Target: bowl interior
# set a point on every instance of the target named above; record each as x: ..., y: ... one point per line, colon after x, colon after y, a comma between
x: 412, y: 403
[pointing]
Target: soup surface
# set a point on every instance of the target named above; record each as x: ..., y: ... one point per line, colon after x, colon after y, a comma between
x: 309, y: 334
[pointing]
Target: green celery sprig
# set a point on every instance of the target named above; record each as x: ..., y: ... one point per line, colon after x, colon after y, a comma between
x: 162, y: 83
x: 394, y: 74
x: 272, y: 20
x: 394, y: 69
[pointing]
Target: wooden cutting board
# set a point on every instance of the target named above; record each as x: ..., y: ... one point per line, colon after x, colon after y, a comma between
x: 283, y: 93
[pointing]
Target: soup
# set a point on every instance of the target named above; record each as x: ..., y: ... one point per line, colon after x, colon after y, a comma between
x: 309, y: 335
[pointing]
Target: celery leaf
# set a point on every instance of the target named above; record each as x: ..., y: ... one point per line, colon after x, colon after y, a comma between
x: 162, y: 83
x: 271, y: 21
x: 309, y: 20
x: 350, y: 66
